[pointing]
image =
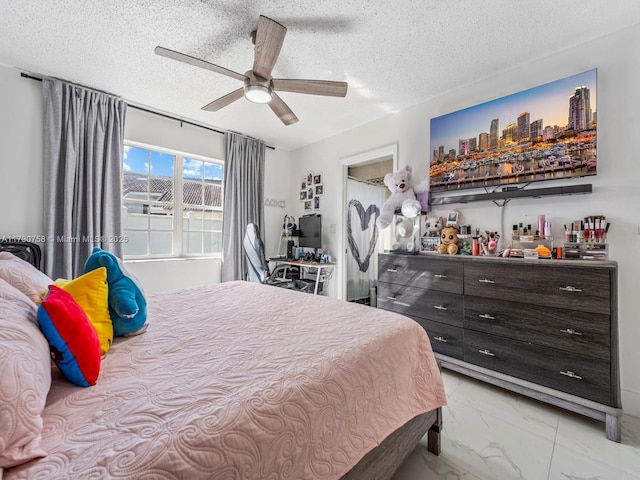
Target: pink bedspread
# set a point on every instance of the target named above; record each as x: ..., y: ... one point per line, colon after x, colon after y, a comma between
x: 241, y: 381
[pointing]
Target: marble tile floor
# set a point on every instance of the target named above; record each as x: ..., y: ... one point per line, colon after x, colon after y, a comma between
x: 493, y: 434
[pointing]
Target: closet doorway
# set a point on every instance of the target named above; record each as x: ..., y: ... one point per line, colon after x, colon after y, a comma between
x: 365, y: 192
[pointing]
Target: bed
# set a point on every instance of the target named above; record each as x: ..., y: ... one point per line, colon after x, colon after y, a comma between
x: 246, y: 381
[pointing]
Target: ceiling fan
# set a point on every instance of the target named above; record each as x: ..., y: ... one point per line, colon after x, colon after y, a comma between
x: 259, y: 85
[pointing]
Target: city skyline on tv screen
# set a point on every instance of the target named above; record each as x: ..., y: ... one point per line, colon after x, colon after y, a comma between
x: 543, y: 133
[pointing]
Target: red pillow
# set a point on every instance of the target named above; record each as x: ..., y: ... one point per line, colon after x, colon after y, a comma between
x: 73, y: 341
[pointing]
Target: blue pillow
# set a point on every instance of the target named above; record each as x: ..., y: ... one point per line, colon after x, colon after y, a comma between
x: 127, y: 304
x: 73, y: 341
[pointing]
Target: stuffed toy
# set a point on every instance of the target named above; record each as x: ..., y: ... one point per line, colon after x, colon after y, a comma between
x: 432, y: 226
x: 465, y: 248
x: 404, y: 236
x: 401, y: 186
x: 127, y: 305
x: 448, y: 241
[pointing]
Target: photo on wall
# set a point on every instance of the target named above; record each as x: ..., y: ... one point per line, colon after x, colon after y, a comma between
x: 311, y: 189
x: 543, y: 133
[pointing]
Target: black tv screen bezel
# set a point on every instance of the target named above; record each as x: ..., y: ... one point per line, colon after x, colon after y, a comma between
x: 314, y: 241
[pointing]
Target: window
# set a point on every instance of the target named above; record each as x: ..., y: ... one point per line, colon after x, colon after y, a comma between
x: 172, y: 203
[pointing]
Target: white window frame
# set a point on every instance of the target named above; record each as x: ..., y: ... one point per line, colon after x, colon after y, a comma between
x: 178, y: 209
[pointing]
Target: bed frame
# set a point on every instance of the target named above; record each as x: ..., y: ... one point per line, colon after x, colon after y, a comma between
x: 383, y: 461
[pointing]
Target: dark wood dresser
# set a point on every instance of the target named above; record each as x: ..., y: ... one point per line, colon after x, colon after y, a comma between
x: 542, y: 328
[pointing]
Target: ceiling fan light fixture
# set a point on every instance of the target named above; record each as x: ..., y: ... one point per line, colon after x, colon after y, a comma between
x: 257, y: 93
x: 259, y: 85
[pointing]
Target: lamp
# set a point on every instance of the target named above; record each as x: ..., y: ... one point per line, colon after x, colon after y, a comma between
x: 257, y: 93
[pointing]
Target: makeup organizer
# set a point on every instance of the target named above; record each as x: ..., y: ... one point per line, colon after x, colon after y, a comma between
x: 587, y: 239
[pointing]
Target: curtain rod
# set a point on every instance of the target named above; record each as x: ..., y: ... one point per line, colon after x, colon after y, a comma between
x: 154, y: 112
x: 362, y: 180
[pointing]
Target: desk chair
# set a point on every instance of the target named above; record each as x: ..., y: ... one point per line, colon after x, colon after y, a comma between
x: 258, y: 268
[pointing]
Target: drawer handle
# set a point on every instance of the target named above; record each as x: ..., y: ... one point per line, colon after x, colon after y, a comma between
x: 389, y: 297
x: 571, y: 374
x: 488, y: 352
x: 440, y: 339
x: 487, y: 316
x: 570, y: 331
x: 486, y: 280
x: 438, y: 275
x: 569, y: 288
x: 392, y: 270
x: 440, y: 307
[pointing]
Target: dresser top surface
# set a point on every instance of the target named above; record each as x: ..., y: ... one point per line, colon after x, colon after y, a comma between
x: 595, y: 264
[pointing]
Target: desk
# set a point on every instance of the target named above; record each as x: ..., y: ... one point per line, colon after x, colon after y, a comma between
x: 308, y: 266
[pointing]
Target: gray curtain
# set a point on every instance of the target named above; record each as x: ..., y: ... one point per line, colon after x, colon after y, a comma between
x: 83, y: 148
x: 243, y: 200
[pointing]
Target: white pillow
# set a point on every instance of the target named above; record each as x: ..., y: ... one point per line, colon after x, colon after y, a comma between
x: 25, y: 380
x: 24, y: 276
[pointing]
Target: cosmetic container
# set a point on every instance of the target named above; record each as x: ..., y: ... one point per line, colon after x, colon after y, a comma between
x: 541, y: 225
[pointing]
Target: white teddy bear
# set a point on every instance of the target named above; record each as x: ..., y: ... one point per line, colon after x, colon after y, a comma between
x: 401, y: 186
x: 405, y: 238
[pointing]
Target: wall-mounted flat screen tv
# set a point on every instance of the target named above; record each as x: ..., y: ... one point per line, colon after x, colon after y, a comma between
x: 543, y: 133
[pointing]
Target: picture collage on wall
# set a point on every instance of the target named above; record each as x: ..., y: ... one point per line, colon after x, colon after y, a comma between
x: 311, y: 189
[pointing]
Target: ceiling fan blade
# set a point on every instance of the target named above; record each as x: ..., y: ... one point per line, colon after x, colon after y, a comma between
x: 224, y: 101
x: 269, y: 37
x: 181, y: 57
x: 311, y: 87
x: 282, y: 110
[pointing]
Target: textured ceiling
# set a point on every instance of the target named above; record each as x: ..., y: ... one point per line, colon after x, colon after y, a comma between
x: 394, y: 54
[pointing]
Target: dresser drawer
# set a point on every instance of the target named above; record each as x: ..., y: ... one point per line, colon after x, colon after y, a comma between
x: 586, y: 377
x: 421, y: 271
x: 445, y: 339
x: 574, y: 331
x: 573, y: 288
x: 429, y: 304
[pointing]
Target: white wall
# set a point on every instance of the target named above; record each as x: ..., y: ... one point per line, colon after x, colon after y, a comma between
x: 616, y: 193
x: 21, y: 173
x: 21, y: 176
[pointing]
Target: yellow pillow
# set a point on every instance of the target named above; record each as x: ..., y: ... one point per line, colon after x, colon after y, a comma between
x: 90, y: 291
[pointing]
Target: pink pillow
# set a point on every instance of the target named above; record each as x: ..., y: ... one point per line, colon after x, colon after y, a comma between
x: 25, y: 378
x: 24, y: 276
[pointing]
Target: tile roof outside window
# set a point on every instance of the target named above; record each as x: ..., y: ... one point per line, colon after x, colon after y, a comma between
x: 161, y: 190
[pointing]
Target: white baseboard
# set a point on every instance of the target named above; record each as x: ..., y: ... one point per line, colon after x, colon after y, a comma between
x: 631, y: 403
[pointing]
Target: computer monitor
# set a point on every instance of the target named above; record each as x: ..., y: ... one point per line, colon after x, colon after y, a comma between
x: 310, y: 231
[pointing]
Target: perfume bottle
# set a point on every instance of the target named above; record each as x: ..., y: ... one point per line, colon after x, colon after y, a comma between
x: 475, y: 249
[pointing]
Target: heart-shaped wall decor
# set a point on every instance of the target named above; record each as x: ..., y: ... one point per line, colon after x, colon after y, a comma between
x: 365, y: 220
